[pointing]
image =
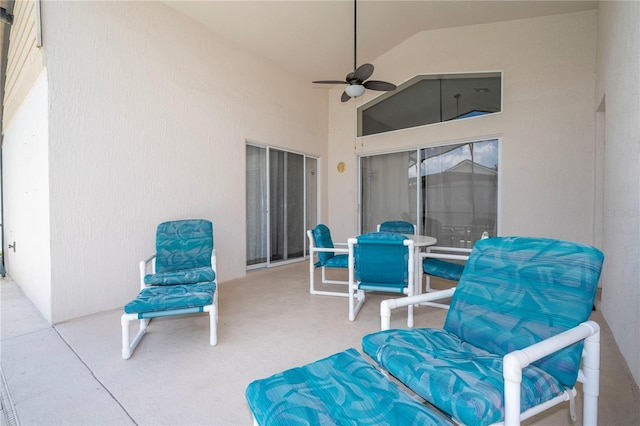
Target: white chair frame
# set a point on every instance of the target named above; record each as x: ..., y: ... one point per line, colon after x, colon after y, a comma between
x: 514, y: 362
x: 149, y: 266
x: 444, y: 253
x: 339, y: 248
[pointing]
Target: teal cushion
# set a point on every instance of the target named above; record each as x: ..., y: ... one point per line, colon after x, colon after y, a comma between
x: 399, y: 226
x: 462, y: 380
x: 337, y: 261
x: 183, y: 244
x: 442, y: 269
x: 164, y: 298
x: 517, y: 291
x: 342, y: 389
x: 188, y: 276
x: 322, y: 238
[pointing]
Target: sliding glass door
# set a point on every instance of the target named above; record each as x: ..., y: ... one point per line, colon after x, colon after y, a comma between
x: 451, y: 193
x: 281, y: 196
x: 388, y: 184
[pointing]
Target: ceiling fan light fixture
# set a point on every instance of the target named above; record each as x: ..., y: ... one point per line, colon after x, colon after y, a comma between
x: 354, y: 90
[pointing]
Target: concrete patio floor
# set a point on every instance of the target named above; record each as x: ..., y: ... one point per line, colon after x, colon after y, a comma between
x: 73, y: 373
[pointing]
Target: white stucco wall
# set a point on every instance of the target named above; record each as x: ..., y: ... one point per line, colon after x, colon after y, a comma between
x: 619, y: 85
x: 25, y: 171
x: 546, y: 127
x: 149, y: 113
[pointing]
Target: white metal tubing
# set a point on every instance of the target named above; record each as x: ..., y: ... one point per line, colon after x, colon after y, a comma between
x: 213, y: 319
x: 312, y: 250
x: 410, y: 283
x: 565, y: 396
x: 449, y: 249
x: 386, y: 306
x: 352, y: 284
x: 515, y: 361
x: 591, y: 370
x: 143, y: 268
x: 432, y: 252
x: 129, y: 346
x: 444, y: 256
x: 512, y: 372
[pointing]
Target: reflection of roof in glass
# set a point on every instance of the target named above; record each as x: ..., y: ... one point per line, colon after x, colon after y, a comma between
x: 473, y: 113
x: 465, y: 166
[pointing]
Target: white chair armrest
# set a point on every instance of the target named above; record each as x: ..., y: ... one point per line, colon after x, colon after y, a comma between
x: 449, y: 249
x: 329, y: 250
x: 386, y: 306
x: 515, y: 361
x: 424, y: 255
x: 144, y: 264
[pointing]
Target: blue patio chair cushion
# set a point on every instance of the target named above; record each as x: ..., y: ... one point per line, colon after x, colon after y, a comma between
x: 183, y: 244
x: 443, y: 269
x: 322, y: 237
x: 462, y: 380
x: 381, y: 259
x: 342, y: 389
x: 189, y: 276
x: 399, y: 226
x: 337, y: 261
x: 164, y: 298
x: 517, y: 291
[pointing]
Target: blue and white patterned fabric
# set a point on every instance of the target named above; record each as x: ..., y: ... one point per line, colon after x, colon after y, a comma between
x: 342, y: 389
x: 381, y: 261
x: 183, y: 244
x: 514, y: 292
x: 399, y: 226
x: 183, y: 253
x: 440, y: 268
x: 322, y: 238
x: 165, y: 298
x: 195, y: 275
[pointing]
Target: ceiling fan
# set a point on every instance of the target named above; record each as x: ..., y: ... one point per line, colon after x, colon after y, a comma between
x: 356, y: 79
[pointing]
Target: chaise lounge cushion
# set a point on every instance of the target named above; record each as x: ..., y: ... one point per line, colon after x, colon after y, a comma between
x: 187, y: 276
x: 464, y: 381
x: 163, y: 298
x: 342, y: 389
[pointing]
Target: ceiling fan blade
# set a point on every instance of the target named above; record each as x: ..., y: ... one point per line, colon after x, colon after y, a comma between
x: 382, y: 86
x: 345, y: 97
x: 363, y: 72
x: 330, y: 82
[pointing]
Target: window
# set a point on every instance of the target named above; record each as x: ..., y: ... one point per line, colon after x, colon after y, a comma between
x: 432, y: 99
x: 449, y: 192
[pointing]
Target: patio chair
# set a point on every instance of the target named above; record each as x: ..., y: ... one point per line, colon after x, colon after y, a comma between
x: 443, y: 262
x: 399, y: 226
x: 180, y: 278
x: 381, y: 262
x: 514, y: 336
x: 329, y: 256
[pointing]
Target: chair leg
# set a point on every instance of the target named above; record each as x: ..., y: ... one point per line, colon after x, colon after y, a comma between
x: 129, y: 346
x: 213, y: 323
x: 591, y: 385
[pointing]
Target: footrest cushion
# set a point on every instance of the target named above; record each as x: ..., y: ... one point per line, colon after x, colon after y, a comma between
x: 167, y: 297
x: 341, y: 389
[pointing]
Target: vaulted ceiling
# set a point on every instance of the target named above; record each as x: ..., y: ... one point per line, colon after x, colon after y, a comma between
x: 314, y: 39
